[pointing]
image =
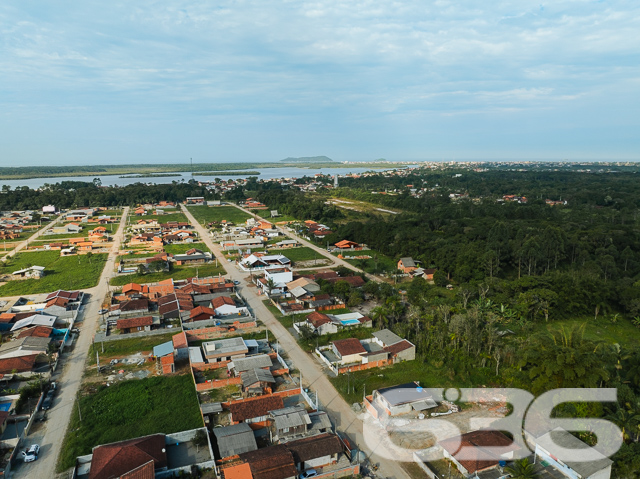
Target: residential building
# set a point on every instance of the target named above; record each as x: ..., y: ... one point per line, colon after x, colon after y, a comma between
x: 254, y: 410
x: 403, y: 399
x: 407, y: 265
x: 477, y: 456
x: 348, y: 350
x: 136, y: 458
x: 224, y: 349
x: 234, y: 440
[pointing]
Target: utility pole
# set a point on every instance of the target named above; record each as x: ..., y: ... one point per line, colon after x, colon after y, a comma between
x: 79, y: 411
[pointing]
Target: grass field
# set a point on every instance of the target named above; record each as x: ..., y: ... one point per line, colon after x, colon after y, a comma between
x: 209, y: 214
x: 49, y: 238
x: 183, y: 248
x: 124, y: 347
x: 178, y: 272
x: 69, y: 272
x: 376, y: 264
x: 621, y: 332
x: 160, y: 218
x: 266, y: 214
x: 301, y: 254
x: 428, y: 374
x: 130, y: 409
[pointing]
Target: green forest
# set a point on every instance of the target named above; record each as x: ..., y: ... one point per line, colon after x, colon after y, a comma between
x: 525, y: 295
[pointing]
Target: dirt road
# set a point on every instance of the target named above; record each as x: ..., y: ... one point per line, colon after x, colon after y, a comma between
x: 341, y: 413
x: 337, y: 261
x: 23, y: 244
x: 69, y: 378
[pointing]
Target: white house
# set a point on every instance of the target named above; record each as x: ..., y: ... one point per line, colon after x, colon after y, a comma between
x: 225, y: 305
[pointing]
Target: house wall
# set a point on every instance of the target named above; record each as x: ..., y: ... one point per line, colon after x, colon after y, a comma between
x: 362, y: 367
x: 459, y: 466
x: 320, y: 461
x: 407, y: 355
x: 328, y: 328
x: 566, y: 470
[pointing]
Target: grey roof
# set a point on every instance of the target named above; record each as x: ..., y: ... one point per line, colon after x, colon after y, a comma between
x: 387, y: 337
x: 190, y: 257
x: 319, y: 421
x: 290, y: 417
x: 211, y: 408
x: 30, y: 343
x: 298, y: 291
x: 252, y: 362
x: 236, y: 439
x: 195, y: 355
x: 255, y: 375
x: 163, y: 349
x: 321, y: 302
x: 424, y: 404
x: 567, y: 440
x: 405, y: 393
x: 408, y: 262
x: 223, y: 346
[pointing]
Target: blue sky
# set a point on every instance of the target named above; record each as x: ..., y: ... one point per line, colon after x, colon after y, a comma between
x: 162, y: 81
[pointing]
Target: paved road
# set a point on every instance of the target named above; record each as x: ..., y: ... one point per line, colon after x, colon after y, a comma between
x: 322, y: 251
x: 70, y: 377
x: 23, y: 244
x: 343, y: 416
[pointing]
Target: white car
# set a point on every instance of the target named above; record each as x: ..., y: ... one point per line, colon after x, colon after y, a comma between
x: 31, y: 454
x: 308, y: 473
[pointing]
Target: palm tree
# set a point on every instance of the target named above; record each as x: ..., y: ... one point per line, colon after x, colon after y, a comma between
x: 521, y: 469
x: 379, y: 315
x: 626, y: 419
x: 271, y: 285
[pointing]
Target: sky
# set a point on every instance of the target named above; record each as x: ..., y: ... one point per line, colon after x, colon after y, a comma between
x: 87, y: 82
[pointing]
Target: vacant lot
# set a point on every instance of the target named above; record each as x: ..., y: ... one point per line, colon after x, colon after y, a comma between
x: 300, y: 254
x: 130, y: 409
x: 69, y: 272
x: 378, y: 262
x: 209, y: 214
x: 125, y: 347
x: 160, y: 218
x: 266, y: 214
x: 177, y: 272
x: 183, y: 248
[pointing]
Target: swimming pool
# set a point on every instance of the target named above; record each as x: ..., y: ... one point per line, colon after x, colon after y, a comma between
x: 349, y: 322
x: 5, y: 406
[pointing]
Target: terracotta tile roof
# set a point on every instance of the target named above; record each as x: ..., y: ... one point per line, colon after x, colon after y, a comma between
x: 364, y: 319
x: 248, y: 409
x: 168, y: 359
x: 134, y: 305
x: 354, y: 281
x: 237, y: 471
x: 313, y: 447
x: 7, y: 317
x: 318, y: 319
x: 135, y: 322
x: 114, y: 460
x: 349, y: 346
x: 20, y: 364
x: 180, y: 341
x: 398, y: 347
x: 132, y: 288
x: 201, y: 310
x: 476, y: 459
x: 275, y: 462
x: 36, y: 331
x: 146, y: 471
x: 221, y: 301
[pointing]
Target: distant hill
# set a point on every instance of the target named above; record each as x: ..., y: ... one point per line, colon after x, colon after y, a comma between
x: 308, y: 159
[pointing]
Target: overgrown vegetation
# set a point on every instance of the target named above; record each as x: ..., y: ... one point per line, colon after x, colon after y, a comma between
x: 62, y: 272
x: 161, y: 404
x: 215, y: 214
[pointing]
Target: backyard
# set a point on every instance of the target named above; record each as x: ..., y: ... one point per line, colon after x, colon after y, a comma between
x: 62, y: 272
x: 210, y: 214
x: 124, y: 347
x: 162, y: 404
x: 177, y: 272
x: 301, y: 254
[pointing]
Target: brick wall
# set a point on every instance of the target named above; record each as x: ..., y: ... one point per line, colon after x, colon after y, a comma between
x: 217, y: 331
x: 362, y: 367
x: 218, y: 383
x: 330, y: 307
x: 209, y: 366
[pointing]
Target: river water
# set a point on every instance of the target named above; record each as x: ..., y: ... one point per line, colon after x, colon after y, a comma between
x: 115, y: 180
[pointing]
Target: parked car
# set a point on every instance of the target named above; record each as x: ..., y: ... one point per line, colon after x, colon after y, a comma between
x: 48, y: 400
x: 308, y: 473
x: 235, y: 281
x: 31, y: 454
x: 103, y: 311
x: 53, y: 386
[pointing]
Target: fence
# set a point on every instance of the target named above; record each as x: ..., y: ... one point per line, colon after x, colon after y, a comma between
x: 424, y: 466
x: 102, y: 337
x: 313, y: 403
